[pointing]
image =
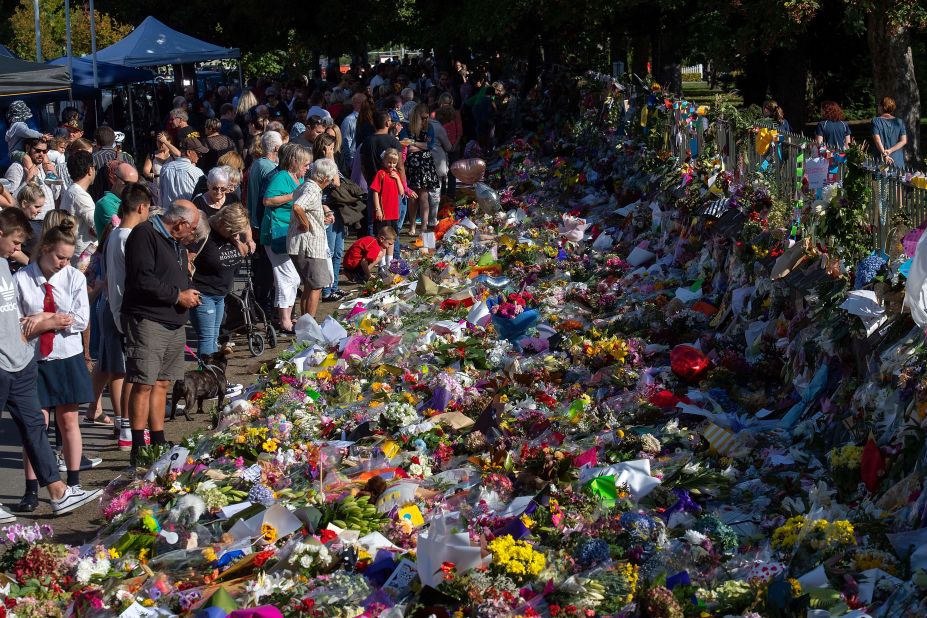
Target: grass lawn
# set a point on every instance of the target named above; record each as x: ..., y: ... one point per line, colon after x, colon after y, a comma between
x: 700, y: 94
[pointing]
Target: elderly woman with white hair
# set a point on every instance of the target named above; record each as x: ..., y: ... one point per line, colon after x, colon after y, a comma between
x: 218, y: 186
x: 307, y: 243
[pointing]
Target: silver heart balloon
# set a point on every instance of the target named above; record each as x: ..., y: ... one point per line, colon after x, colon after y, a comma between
x: 487, y: 198
x: 497, y: 283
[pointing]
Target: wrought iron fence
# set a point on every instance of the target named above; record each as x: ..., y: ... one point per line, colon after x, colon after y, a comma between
x: 783, y: 159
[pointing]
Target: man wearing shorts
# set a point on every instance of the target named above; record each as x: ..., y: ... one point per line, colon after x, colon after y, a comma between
x: 154, y: 313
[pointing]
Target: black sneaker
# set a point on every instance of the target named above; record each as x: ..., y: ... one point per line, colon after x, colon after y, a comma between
x: 28, y: 504
x: 338, y: 294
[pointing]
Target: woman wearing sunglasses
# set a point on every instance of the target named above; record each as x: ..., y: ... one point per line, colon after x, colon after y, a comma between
x: 213, y: 199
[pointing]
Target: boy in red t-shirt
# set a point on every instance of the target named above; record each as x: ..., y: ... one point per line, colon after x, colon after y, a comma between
x: 367, y: 251
x: 387, y: 189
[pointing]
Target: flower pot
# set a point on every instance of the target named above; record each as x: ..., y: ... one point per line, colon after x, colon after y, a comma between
x: 514, y: 328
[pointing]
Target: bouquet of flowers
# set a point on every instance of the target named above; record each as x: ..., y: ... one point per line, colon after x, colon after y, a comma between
x: 513, y: 315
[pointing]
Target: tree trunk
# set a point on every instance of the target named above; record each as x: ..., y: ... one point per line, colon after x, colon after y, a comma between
x: 640, y: 54
x: 893, y: 73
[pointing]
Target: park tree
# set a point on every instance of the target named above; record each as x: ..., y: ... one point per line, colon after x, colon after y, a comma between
x: 52, y: 27
x: 889, y: 26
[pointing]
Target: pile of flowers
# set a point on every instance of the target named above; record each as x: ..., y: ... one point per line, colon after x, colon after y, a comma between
x: 600, y: 398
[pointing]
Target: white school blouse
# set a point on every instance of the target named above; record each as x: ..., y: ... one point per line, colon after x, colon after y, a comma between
x: 70, y: 293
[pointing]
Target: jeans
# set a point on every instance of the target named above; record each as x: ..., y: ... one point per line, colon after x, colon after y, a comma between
x: 371, y: 220
x: 207, y: 319
x: 403, y: 210
x: 335, y: 235
x: 19, y: 395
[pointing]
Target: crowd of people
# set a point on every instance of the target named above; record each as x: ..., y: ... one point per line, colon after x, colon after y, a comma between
x: 107, y: 259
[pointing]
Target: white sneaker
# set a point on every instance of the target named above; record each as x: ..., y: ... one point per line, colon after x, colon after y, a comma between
x: 74, y: 497
x: 86, y: 463
x: 6, y: 517
x: 234, y: 390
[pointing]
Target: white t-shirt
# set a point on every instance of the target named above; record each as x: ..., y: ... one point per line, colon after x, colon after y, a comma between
x: 116, y: 271
x: 78, y: 202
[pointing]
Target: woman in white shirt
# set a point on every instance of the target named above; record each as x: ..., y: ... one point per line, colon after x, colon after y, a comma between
x: 53, y: 296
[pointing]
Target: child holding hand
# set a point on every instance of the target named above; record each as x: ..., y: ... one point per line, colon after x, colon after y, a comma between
x: 387, y: 188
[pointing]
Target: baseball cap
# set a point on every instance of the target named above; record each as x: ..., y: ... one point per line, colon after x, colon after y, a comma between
x: 194, y: 144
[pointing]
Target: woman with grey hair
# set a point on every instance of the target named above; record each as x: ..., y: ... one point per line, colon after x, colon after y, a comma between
x: 307, y: 243
x: 218, y: 185
x: 278, y: 198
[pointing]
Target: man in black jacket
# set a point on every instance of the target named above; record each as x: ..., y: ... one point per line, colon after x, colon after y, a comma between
x: 154, y: 313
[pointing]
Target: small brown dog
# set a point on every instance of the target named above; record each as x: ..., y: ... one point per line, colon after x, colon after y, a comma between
x: 202, y: 383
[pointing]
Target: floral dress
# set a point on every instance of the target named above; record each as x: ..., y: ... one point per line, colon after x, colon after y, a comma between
x: 420, y: 166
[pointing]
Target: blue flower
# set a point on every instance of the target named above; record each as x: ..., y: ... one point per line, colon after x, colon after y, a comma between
x: 867, y: 270
x: 593, y: 551
x: 261, y: 494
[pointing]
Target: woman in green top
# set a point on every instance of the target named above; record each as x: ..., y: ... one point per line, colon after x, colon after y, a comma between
x: 278, y: 207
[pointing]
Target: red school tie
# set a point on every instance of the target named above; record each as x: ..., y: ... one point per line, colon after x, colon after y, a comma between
x: 47, y: 339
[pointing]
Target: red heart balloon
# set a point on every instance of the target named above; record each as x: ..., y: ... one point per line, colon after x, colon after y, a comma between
x: 688, y: 362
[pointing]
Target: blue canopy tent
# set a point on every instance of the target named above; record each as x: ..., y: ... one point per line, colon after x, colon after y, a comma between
x: 108, y: 75
x: 154, y: 44
x: 5, y: 52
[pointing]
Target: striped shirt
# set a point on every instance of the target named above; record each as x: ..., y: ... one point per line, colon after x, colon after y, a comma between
x: 312, y: 243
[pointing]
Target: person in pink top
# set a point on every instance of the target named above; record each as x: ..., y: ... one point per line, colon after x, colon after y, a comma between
x: 450, y: 120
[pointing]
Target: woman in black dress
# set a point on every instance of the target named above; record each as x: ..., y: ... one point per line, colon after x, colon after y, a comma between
x: 421, y: 174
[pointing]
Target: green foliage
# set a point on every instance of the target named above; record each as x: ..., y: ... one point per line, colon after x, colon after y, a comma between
x: 52, y: 25
x: 846, y: 222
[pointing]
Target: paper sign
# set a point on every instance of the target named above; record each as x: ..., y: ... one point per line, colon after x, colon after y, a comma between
x: 137, y: 610
x: 456, y: 420
x: 428, y: 240
x: 400, y: 581
x: 411, y: 514
x: 396, y: 495
x: 816, y: 171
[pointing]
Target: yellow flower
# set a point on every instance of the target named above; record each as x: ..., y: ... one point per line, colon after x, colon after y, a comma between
x: 503, y: 398
x: 113, y: 553
x: 619, y: 433
x: 269, y: 446
x: 143, y: 555
x: 323, y: 375
x: 209, y: 554
x: 527, y: 521
x: 148, y: 602
x: 268, y: 533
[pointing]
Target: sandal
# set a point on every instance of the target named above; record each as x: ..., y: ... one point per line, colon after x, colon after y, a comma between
x: 101, y: 420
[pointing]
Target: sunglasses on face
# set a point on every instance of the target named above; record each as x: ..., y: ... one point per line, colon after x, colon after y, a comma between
x: 39, y: 150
